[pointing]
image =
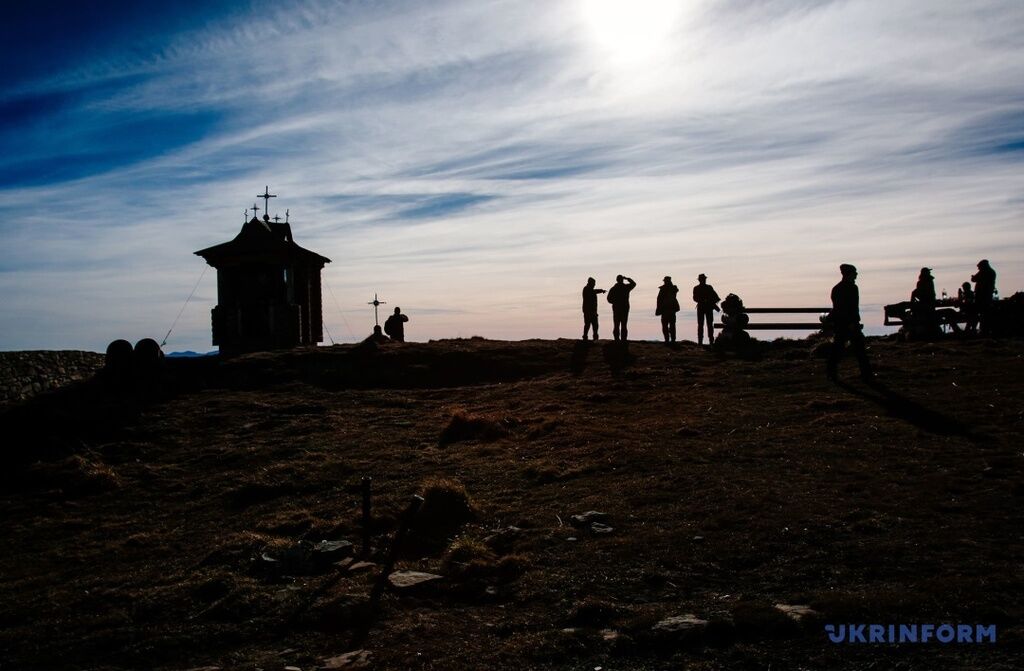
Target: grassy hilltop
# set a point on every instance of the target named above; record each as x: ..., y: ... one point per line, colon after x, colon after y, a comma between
x: 163, y: 528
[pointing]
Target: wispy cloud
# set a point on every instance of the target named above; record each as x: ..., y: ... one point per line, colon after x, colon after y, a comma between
x: 475, y: 161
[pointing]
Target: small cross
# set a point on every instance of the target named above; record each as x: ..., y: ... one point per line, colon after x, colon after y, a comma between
x: 266, y: 196
x: 286, y: 216
x: 375, y: 303
x: 254, y: 209
x: 245, y: 215
x: 276, y: 218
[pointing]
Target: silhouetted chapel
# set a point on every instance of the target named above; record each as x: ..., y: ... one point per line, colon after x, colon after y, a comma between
x: 268, y: 289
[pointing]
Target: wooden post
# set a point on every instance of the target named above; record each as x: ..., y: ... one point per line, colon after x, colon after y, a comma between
x: 362, y: 632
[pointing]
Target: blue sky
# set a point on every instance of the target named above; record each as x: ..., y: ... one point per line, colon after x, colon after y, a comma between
x: 474, y: 162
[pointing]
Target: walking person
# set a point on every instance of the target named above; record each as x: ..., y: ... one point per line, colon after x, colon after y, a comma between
x: 667, y: 307
x: 618, y: 296
x: 845, y: 317
x: 707, y: 299
x: 590, y: 307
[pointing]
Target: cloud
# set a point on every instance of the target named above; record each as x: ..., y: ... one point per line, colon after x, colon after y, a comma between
x: 481, y: 159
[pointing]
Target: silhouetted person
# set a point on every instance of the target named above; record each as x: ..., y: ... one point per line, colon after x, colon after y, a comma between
x: 668, y: 306
x: 394, y: 325
x: 707, y: 303
x: 618, y: 296
x: 845, y: 318
x: 984, y: 294
x: 922, y: 302
x: 968, y: 307
x: 590, y: 307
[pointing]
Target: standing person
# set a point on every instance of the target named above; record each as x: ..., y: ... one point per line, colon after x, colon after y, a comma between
x: 922, y: 300
x: 846, y: 322
x: 668, y: 306
x: 984, y: 294
x: 590, y: 307
x: 394, y: 326
x: 618, y: 296
x: 707, y: 303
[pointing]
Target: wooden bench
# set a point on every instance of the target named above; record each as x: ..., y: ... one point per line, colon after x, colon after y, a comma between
x: 781, y: 326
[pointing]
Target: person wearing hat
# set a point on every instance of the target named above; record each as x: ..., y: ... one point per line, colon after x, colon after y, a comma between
x: 667, y: 307
x: 590, y: 307
x: 707, y: 303
x: 845, y: 318
x: 922, y: 305
x: 984, y: 294
x: 618, y: 296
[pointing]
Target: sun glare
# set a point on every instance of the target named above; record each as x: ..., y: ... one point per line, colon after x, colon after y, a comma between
x: 631, y: 31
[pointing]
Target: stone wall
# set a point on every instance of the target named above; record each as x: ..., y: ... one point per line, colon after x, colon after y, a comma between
x: 25, y: 374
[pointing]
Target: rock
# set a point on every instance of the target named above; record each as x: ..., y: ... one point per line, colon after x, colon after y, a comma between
x: 797, y: 612
x: 292, y: 668
x: 334, y: 549
x: 413, y: 581
x: 688, y: 622
x: 326, y: 553
x: 361, y: 566
x: 599, y: 529
x: 587, y: 518
x: 357, y: 659
x: 680, y: 630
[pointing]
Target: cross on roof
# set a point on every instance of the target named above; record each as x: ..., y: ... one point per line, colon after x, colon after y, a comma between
x: 276, y: 218
x: 266, y: 196
x: 286, y: 216
x: 254, y: 209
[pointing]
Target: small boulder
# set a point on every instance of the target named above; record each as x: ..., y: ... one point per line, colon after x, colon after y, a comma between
x: 797, y: 613
x: 584, y: 520
x: 685, y: 629
x: 350, y: 661
x: 599, y: 529
x: 412, y: 582
x: 361, y: 566
x: 326, y: 553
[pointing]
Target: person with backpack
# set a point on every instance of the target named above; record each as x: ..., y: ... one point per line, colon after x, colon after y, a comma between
x: 394, y: 325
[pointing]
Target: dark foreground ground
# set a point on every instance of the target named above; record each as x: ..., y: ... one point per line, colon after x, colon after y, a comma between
x: 162, y: 529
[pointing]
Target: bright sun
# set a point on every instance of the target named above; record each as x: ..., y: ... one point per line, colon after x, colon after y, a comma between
x: 631, y: 30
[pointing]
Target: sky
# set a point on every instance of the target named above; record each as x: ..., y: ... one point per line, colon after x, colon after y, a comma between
x: 473, y: 162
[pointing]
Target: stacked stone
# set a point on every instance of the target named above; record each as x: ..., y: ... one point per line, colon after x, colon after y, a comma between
x: 26, y: 374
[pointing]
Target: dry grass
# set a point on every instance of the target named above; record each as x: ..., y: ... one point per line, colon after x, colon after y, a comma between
x: 731, y: 485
